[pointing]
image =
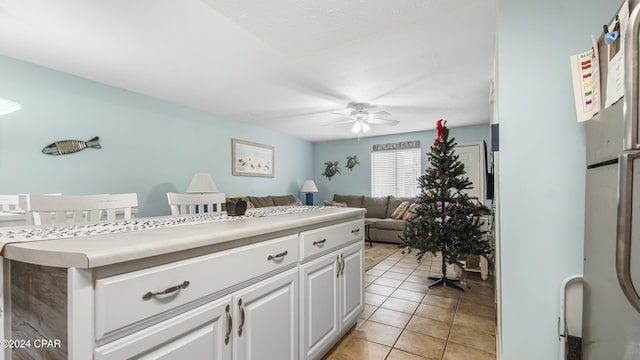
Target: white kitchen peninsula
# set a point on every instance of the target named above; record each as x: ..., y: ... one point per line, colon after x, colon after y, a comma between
x: 205, y: 287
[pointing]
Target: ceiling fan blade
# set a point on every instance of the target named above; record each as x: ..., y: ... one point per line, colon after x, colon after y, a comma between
x: 339, y: 122
x: 345, y: 113
x: 378, y: 121
x: 380, y: 113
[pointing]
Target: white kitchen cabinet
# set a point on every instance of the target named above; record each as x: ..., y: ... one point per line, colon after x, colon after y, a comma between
x: 227, y: 290
x: 202, y: 333
x: 331, y: 298
x: 258, y: 322
x: 351, y: 284
x: 266, y: 319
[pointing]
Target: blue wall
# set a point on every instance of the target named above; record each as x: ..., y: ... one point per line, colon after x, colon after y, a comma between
x: 358, y: 181
x: 542, y: 164
x: 148, y: 146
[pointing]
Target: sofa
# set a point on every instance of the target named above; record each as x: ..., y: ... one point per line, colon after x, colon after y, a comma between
x: 264, y: 201
x: 382, y: 228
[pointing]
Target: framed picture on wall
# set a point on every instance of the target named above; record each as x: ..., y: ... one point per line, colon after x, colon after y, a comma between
x: 251, y: 159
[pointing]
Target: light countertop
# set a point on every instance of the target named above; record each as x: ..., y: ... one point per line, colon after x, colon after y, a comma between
x: 113, y: 248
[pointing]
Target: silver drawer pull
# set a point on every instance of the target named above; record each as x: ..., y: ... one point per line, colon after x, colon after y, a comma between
x: 277, y: 256
x: 170, y: 290
x: 320, y: 242
x: 355, y: 231
x: 241, y: 308
x: 229, y: 325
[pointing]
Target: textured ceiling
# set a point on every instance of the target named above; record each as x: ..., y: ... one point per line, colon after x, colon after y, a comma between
x: 278, y: 64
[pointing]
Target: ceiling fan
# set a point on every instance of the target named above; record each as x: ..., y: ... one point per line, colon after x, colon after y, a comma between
x: 362, y: 116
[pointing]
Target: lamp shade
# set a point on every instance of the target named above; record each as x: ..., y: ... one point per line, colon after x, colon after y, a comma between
x: 202, y: 183
x: 309, y: 187
x: 8, y: 106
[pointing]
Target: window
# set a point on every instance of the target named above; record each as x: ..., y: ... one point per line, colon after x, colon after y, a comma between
x: 395, y: 171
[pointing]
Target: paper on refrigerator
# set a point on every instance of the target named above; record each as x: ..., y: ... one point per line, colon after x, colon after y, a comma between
x: 615, y: 57
x: 585, y: 72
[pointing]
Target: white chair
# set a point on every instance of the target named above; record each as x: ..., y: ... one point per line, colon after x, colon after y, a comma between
x: 9, y: 203
x: 48, y: 209
x: 185, y: 204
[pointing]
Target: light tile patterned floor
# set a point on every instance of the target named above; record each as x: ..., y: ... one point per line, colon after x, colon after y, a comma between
x: 405, y: 320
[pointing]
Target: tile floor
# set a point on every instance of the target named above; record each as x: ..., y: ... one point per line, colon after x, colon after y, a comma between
x: 405, y: 320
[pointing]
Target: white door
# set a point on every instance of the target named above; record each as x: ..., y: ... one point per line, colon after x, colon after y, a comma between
x: 319, y: 305
x: 351, y: 283
x: 197, y: 334
x: 266, y: 315
x: 472, y: 156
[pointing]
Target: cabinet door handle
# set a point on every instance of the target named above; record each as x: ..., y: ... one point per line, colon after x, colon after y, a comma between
x: 355, y: 231
x: 320, y: 242
x: 339, y: 266
x: 342, y: 260
x: 241, y: 317
x: 229, y: 325
x: 277, y: 256
x: 170, y: 290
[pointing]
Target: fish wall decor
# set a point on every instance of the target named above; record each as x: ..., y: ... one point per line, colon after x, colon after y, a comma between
x: 64, y: 147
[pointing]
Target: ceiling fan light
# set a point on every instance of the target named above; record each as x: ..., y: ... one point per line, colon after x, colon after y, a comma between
x: 356, y: 127
x: 365, y: 126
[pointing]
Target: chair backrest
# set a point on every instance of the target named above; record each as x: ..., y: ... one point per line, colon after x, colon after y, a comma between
x: 9, y: 202
x: 48, y: 209
x: 185, y: 204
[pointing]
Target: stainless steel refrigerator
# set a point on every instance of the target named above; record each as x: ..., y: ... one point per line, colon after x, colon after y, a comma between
x: 611, y: 301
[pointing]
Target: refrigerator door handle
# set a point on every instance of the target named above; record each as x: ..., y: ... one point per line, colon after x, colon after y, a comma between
x: 631, y: 82
x: 623, y: 239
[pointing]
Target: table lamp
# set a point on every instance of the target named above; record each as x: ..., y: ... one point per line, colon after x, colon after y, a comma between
x: 202, y: 183
x: 309, y: 187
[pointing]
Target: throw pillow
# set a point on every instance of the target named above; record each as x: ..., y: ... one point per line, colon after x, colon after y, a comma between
x: 249, y: 203
x: 410, y: 213
x: 400, y: 210
x: 334, y: 203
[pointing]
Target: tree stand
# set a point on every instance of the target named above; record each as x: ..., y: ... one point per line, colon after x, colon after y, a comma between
x: 443, y: 280
x: 440, y: 281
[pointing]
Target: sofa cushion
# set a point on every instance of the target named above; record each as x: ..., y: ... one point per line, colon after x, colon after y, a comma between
x: 350, y: 200
x: 394, y: 202
x: 398, y: 213
x: 261, y: 201
x: 390, y: 224
x: 283, y: 200
x: 410, y: 213
x: 334, y: 203
x: 376, y: 206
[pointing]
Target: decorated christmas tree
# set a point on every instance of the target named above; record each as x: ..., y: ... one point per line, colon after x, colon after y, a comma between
x: 445, y: 220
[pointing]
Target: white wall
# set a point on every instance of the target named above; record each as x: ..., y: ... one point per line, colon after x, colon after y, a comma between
x: 542, y: 162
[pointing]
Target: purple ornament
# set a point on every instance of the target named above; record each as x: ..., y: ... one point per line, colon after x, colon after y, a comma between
x: 438, y: 175
x: 439, y: 204
x: 416, y: 233
x: 447, y: 220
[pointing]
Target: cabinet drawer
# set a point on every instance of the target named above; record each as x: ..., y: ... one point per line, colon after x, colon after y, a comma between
x: 128, y: 298
x: 323, y: 240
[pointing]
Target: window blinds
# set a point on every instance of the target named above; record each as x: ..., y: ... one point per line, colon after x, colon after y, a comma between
x: 395, y: 172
